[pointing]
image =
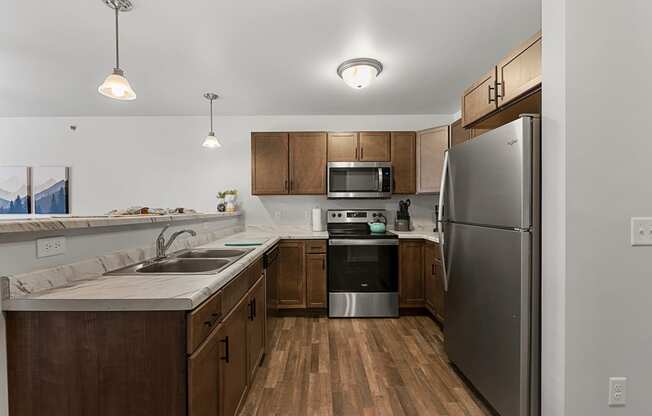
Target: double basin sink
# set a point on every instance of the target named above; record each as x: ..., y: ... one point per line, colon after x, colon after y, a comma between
x: 190, y: 262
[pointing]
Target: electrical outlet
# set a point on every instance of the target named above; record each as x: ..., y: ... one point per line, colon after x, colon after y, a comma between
x: 641, y: 231
x: 46, y: 247
x: 617, y: 391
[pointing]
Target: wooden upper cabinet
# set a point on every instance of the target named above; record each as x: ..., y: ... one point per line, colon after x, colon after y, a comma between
x: 520, y: 71
x: 342, y: 147
x: 292, y: 275
x: 403, y: 149
x: 269, y: 163
x: 307, y: 163
x: 374, y: 146
x: 431, y: 145
x: 479, y: 99
x: 458, y: 133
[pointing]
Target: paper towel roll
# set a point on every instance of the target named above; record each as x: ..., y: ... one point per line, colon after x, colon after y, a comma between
x: 316, y: 219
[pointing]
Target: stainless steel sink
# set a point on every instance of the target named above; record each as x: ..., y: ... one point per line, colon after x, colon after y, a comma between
x: 186, y: 262
x: 212, y: 253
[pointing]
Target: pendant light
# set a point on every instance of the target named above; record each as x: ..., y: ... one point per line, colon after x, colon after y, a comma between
x: 211, y: 141
x: 360, y: 72
x: 116, y: 85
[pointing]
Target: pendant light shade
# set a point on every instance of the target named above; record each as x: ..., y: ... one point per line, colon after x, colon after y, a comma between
x: 359, y: 73
x: 211, y: 140
x: 116, y: 85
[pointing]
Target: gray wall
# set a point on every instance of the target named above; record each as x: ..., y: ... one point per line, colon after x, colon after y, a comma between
x: 597, y: 298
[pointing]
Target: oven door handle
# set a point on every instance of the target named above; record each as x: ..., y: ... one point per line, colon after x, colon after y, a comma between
x: 363, y: 242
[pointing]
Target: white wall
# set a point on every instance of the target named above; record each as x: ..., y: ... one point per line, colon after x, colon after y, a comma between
x: 159, y: 161
x: 602, y: 285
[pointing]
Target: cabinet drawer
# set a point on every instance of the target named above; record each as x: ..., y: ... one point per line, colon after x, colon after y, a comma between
x: 234, y: 291
x: 203, y: 320
x: 315, y: 246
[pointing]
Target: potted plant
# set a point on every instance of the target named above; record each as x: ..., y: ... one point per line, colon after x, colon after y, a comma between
x: 221, y: 204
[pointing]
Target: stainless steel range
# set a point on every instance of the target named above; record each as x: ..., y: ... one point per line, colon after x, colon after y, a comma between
x: 362, y: 266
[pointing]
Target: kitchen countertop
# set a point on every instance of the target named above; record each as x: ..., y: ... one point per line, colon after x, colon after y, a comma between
x: 39, y: 224
x: 168, y: 292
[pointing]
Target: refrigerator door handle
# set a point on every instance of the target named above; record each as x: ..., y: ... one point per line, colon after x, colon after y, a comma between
x: 440, y: 219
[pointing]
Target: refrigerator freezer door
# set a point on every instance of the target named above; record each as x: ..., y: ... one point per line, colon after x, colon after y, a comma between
x: 490, y: 178
x: 488, y: 312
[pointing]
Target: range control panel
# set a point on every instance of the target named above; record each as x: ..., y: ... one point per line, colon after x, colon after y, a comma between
x: 354, y: 215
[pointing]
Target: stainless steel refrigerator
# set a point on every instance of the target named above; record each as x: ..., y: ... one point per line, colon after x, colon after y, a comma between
x: 490, y: 233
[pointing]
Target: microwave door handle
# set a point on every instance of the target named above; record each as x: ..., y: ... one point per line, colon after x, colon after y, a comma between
x: 380, y: 179
x: 440, y: 219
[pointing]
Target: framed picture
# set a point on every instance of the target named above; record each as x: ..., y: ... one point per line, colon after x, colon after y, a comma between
x: 15, y: 190
x: 51, y: 189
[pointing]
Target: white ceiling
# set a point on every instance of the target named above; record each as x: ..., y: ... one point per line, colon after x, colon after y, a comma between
x: 261, y: 56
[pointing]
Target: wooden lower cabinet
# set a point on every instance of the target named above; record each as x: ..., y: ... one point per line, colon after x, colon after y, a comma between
x: 411, y: 284
x: 232, y: 337
x: 433, y: 280
x: 256, y: 327
x: 292, y: 275
x: 204, y: 378
x: 316, y: 280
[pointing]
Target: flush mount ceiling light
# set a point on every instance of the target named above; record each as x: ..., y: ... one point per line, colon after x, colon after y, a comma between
x: 116, y: 85
x: 211, y: 141
x: 360, y: 72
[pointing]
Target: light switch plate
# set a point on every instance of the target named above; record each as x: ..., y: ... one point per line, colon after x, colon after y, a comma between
x: 617, y: 391
x: 641, y: 231
x: 47, y: 247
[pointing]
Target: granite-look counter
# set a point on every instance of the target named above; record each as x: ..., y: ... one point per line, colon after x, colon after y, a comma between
x: 96, y: 292
x: 419, y: 234
x: 31, y: 225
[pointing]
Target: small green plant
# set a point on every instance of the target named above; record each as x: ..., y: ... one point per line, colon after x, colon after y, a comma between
x: 223, y: 194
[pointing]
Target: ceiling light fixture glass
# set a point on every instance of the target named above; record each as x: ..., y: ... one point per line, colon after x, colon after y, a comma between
x: 211, y: 141
x: 360, y: 72
x: 116, y: 85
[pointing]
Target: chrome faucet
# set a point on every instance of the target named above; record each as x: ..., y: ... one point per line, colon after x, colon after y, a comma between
x: 162, y: 247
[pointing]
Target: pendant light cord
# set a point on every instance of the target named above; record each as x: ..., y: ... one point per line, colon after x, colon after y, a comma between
x: 211, y: 114
x: 116, y: 5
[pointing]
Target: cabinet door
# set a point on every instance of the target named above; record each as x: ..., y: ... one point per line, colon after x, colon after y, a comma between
x: 439, y: 294
x: 458, y: 133
x: 292, y: 275
x: 203, y: 378
x: 429, y: 275
x: 233, y: 359
x: 256, y: 327
x: 411, y: 274
x: 404, y: 148
x: 316, y: 280
x: 308, y: 163
x: 520, y: 71
x: 479, y: 99
x: 342, y: 147
x: 431, y: 145
x: 374, y: 146
x: 269, y: 163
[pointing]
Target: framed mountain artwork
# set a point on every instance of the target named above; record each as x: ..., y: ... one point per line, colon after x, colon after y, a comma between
x: 51, y: 189
x: 15, y: 190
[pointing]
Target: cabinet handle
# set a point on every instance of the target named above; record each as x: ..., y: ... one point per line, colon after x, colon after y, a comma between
x: 253, y: 301
x: 226, y: 349
x: 356, y: 152
x: 323, y: 264
x: 491, y: 100
x: 502, y: 88
x: 361, y: 153
x: 250, y: 306
x: 433, y: 269
x: 291, y: 184
x: 211, y: 322
x: 285, y: 185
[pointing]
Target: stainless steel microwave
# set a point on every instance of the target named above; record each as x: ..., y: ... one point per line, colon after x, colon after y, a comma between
x: 359, y: 180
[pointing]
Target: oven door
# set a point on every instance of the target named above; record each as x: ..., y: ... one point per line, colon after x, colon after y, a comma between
x: 359, y: 180
x: 363, y: 265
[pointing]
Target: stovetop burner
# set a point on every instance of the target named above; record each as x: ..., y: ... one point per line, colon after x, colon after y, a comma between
x: 353, y: 223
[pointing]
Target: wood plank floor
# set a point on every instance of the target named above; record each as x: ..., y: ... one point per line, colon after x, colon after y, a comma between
x: 321, y: 366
